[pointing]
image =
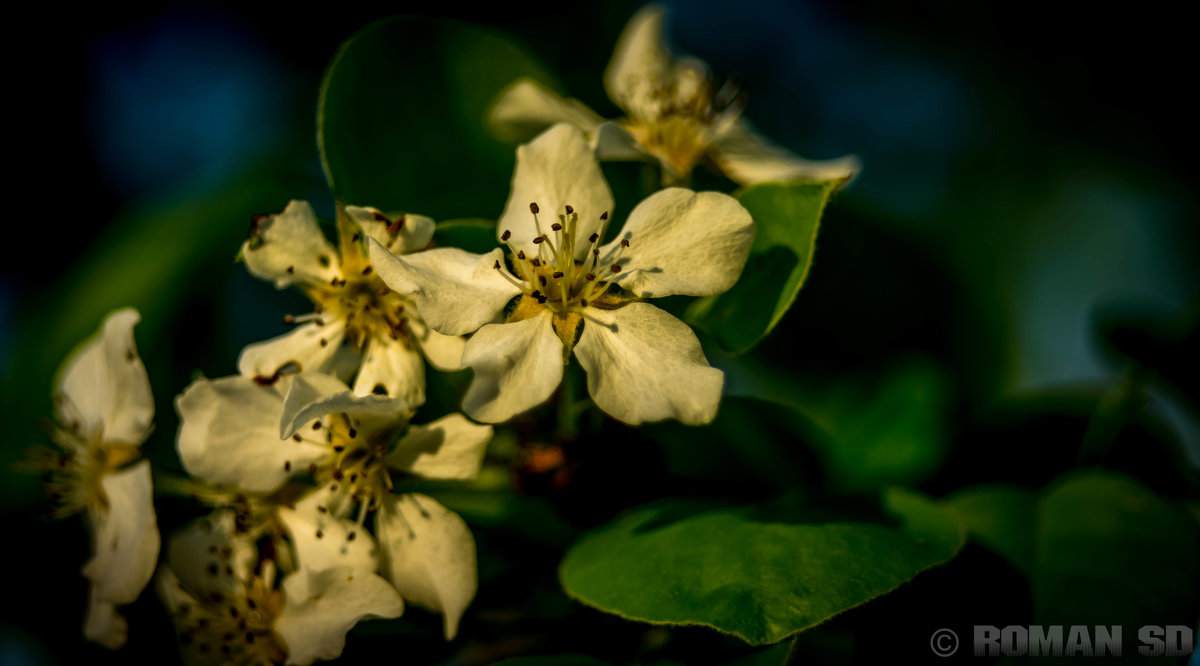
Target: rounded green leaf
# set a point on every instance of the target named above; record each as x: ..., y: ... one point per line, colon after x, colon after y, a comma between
x: 400, y: 117
x: 1001, y: 518
x: 786, y: 218
x: 755, y: 572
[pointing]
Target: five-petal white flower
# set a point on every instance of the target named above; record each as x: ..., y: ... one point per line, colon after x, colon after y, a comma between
x: 672, y: 115
x: 236, y: 431
x: 578, y: 295
x: 104, y: 413
x: 352, y: 305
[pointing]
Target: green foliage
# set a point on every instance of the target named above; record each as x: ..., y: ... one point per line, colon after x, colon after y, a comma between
x: 472, y: 234
x: 760, y: 573
x: 444, y: 73
x: 787, y: 217
x: 1098, y: 547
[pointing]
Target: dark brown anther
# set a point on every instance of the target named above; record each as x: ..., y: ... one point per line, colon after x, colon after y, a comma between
x: 287, y: 465
x: 353, y: 478
x: 353, y: 433
x: 367, y: 270
x: 616, y: 268
x: 212, y: 568
x: 583, y: 302
x: 320, y: 534
x: 291, y: 270
x: 297, y: 437
x: 322, y: 509
x: 604, y: 215
x: 521, y: 255
x: 350, y: 536
x: 323, y: 259
x: 542, y: 300
x: 556, y: 227
x: 339, y: 448
x: 542, y: 280
x: 539, y: 240
x: 129, y: 355
x: 496, y: 265
x: 569, y: 209
x: 590, y: 276
x: 316, y: 425
x: 624, y: 242
x: 324, y: 342
x: 536, y: 263
x: 355, y: 237
x: 557, y: 274
x: 379, y: 389
x: 536, y: 294
x: 595, y: 252
x: 380, y: 217
x: 262, y: 380
x: 394, y: 227
x: 593, y: 238
x: 506, y: 235
x: 249, y: 638
x: 312, y: 469
x: 533, y: 208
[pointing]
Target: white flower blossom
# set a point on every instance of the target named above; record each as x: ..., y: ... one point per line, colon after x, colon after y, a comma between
x: 104, y: 411
x: 240, y: 432
x: 227, y: 608
x: 579, y: 296
x: 352, y: 306
x: 672, y: 116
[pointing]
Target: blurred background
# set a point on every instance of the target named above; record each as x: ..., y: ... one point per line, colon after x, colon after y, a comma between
x: 1022, y: 241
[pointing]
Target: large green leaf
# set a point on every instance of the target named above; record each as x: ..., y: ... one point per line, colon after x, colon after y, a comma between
x: 400, y: 117
x: 759, y: 573
x: 1001, y: 518
x: 786, y: 216
x: 1110, y: 551
x: 471, y: 234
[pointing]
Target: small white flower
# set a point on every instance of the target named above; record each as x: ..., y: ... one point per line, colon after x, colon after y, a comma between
x: 642, y: 363
x: 352, y: 306
x: 672, y: 115
x: 104, y: 413
x: 227, y: 608
x: 239, y: 432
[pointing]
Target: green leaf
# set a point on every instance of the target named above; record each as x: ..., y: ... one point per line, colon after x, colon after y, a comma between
x: 1110, y: 551
x: 758, y: 573
x: 787, y: 216
x: 471, y: 234
x: 1001, y: 518
x: 400, y: 117
x: 554, y: 660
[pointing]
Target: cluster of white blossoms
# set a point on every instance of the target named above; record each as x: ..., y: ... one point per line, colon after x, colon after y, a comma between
x: 300, y: 458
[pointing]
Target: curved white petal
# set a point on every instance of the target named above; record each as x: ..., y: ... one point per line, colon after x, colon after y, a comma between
x: 443, y: 352
x: 392, y: 368
x: 311, y: 347
x: 103, y: 384
x: 208, y: 557
x: 517, y: 366
x: 451, y: 447
x: 402, y: 235
x: 748, y: 158
x: 613, y: 143
x: 429, y: 555
x: 324, y: 542
x: 292, y: 249
x: 229, y: 434
x: 320, y: 607
x: 556, y: 169
x: 103, y: 624
x: 526, y: 107
x: 645, y: 365
x: 455, y: 291
x: 314, y: 395
x: 639, y: 61
x: 126, y: 537
x: 683, y: 242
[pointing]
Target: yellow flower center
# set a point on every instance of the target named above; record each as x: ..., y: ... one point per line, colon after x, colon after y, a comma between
x: 236, y: 630
x: 72, y: 474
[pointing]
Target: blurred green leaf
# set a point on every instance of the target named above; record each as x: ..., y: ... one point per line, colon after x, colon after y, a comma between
x: 754, y: 572
x: 400, y: 117
x: 1001, y: 518
x: 1110, y: 551
x: 787, y: 217
x: 471, y: 234
x: 554, y: 660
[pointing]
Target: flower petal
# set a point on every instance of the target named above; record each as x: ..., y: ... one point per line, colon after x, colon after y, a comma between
x: 517, y: 366
x: 320, y: 607
x: 229, y: 434
x: 556, y: 169
x: 443, y: 352
x: 103, y: 624
x: 209, y: 557
x: 392, y: 368
x: 451, y: 447
x: 126, y: 537
x: 645, y: 365
x: 455, y: 291
x: 103, y: 384
x: 324, y: 542
x: 639, y: 61
x: 429, y: 555
x: 412, y: 232
x: 309, y: 346
x: 683, y: 242
x: 748, y: 158
x: 289, y: 248
x: 313, y: 395
x: 613, y: 143
x: 526, y: 107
